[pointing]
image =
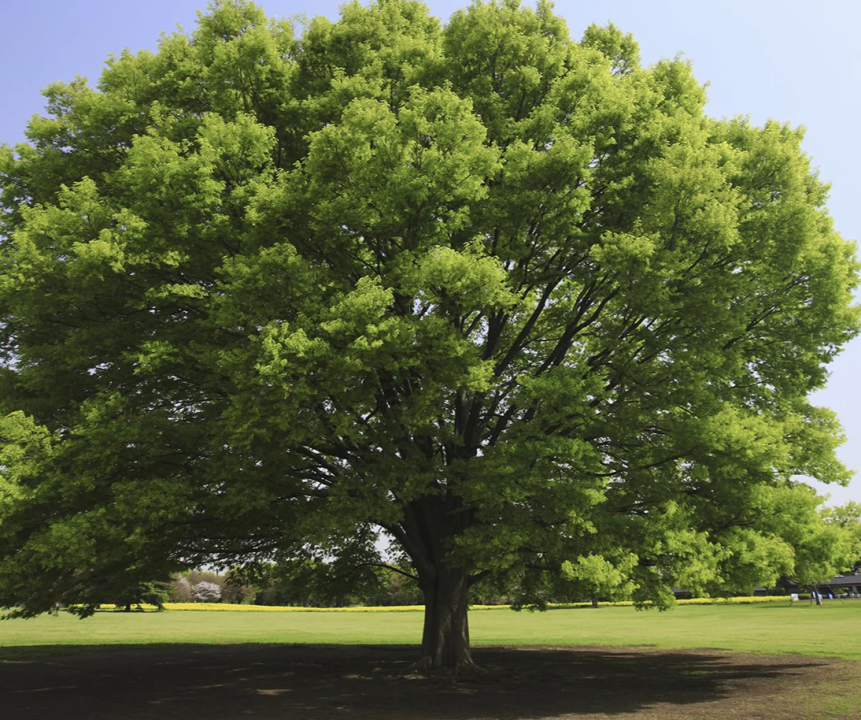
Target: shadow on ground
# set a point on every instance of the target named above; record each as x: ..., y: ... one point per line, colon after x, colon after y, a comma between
x: 362, y: 682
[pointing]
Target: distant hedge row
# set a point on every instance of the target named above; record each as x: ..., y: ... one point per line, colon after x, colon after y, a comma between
x: 228, y: 607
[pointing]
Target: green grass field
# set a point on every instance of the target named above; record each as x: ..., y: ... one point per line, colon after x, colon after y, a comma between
x: 768, y: 628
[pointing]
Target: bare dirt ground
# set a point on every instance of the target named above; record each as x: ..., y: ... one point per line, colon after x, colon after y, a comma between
x: 233, y: 682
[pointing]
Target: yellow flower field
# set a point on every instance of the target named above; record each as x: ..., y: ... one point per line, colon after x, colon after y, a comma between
x: 228, y: 607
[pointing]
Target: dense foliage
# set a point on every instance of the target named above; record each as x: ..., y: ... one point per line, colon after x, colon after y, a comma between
x: 512, y: 300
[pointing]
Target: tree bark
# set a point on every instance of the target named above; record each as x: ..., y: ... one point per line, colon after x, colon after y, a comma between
x: 427, y: 532
x: 445, y: 639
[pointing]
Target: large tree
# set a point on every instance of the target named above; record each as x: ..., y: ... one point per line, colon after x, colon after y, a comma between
x: 511, y: 300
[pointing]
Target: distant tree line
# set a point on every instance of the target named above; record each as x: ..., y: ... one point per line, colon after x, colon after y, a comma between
x: 300, y: 583
x: 311, y: 584
x: 304, y: 583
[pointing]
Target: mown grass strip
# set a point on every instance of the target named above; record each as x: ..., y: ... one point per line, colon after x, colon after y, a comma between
x: 763, y: 628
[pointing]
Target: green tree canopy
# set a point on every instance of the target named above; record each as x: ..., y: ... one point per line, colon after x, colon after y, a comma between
x: 512, y: 300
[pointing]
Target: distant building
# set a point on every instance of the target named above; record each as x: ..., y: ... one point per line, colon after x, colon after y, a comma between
x: 843, y: 585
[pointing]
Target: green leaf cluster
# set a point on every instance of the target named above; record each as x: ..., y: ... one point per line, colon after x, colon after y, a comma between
x: 511, y: 300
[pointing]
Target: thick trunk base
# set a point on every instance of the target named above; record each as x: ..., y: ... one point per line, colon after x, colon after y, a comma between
x: 445, y: 639
x: 466, y: 669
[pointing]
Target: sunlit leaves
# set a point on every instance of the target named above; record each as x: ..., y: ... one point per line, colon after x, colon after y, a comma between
x: 511, y: 298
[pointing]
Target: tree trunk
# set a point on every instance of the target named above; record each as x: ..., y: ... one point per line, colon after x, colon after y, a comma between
x: 428, y: 531
x: 445, y: 640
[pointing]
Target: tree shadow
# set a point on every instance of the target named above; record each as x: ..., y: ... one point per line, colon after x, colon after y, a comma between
x: 321, y: 682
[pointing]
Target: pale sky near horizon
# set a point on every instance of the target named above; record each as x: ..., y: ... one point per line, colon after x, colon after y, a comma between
x: 790, y: 60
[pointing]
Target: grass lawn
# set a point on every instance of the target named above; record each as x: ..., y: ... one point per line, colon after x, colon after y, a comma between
x: 772, y: 628
x: 317, y: 665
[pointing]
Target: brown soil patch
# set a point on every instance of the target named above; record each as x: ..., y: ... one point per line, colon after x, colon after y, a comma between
x: 233, y: 682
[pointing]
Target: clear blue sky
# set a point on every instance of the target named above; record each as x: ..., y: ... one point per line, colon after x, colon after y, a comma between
x: 791, y: 60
